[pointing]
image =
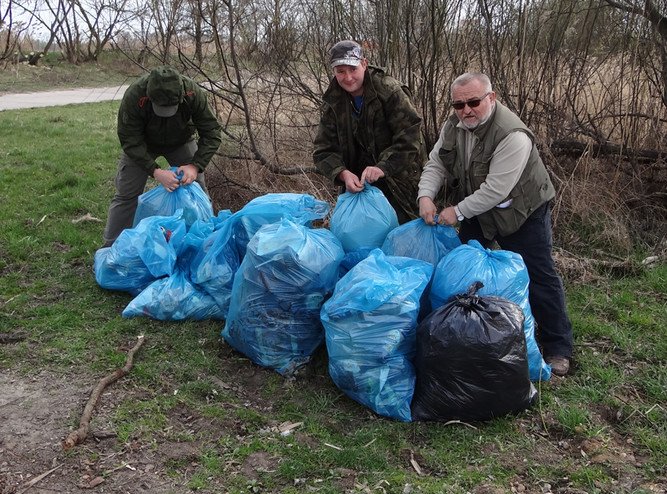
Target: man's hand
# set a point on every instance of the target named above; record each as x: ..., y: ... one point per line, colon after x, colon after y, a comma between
x: 427, y: 210
x: 371, y: 174
x: 352, y: 182
x: 167, y: 178
x: 448, y: 216
x: 190, y: 172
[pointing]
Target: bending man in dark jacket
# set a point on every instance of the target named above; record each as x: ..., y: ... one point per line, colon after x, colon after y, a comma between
x: 369, y: 131
x: 158, y: 116
x: 501, y: 190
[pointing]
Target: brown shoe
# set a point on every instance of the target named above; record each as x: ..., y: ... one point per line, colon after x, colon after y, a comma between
x: 560, y: 366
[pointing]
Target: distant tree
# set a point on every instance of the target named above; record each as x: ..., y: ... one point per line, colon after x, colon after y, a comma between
x: 655, y: 14
x: 81, y: 28
x: 10, y: 31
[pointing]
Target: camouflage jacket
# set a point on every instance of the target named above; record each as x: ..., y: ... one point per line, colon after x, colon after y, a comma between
x: 386, y: 134
x: 141, y: 132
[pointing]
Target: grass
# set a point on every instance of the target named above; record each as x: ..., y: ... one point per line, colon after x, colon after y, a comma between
x: 188, y: 389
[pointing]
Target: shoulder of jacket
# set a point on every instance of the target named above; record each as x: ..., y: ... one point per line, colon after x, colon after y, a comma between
x: 192, y: 90
x: 386, y: 86
x: 508, y: 121
x: 382, y: 80
x: 135, y: 94
x: 333, y: 94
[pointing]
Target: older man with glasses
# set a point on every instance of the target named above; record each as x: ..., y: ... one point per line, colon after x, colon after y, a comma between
x: 500, y: 190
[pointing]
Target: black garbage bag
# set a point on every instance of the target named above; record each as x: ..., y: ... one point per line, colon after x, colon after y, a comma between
x: 471, y: 360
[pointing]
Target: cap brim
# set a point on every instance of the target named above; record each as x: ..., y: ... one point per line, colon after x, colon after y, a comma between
x: 165, y: 111
x: 354, y: 62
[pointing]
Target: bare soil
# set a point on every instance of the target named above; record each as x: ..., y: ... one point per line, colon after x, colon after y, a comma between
x: 37, y: 413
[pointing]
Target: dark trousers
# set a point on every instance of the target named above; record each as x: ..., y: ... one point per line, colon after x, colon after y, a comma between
x: 533, y: 242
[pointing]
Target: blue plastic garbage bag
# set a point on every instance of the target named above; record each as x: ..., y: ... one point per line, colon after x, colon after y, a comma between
x: 215, y: 264
x: 174, y: 298
x: 363, y: 220
x: 198, y: 241
x: 222, y: 216
x: 351, y: 259
x: 191, y: 198
x: 503, y: 274
x: 223, y: 251
x: 193, y: 242
x: 209, y: 232
x: 287, y: 273
x: 302, y: 209
x: 418, y: 240
x: 140, y: 255
x: 370, y: 324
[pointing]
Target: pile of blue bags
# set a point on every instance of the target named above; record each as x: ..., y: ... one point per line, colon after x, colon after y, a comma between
x: 284, y: 288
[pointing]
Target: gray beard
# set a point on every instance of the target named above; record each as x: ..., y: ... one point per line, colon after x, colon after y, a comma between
x: 481, y: 122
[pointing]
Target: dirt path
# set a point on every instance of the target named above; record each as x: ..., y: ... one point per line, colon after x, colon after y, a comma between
x: 37, y: 413
x: 62, y: 97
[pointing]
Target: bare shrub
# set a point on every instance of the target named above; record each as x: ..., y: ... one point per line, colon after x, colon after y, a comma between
x: 234, y: 182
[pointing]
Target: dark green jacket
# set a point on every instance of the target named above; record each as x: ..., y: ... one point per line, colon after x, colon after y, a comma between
x: 533, y: 189
x: 140, y: 131
x: 387, y: 134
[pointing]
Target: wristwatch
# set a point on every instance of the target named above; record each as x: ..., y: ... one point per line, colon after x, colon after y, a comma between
x: 459, y: 215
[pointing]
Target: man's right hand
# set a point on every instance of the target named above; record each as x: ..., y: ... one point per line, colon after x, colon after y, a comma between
x: 352, y: 182
x: 167, y: 178
x: 427, y: 210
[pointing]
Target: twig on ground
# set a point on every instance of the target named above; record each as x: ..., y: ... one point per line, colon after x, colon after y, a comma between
x: 32, y: 482
x: 86, y: 217
x: 459, y: 422
x: 80, y: 434
x: 414, y: 464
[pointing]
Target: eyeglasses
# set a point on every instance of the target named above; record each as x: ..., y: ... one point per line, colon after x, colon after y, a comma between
x: 472, y: 103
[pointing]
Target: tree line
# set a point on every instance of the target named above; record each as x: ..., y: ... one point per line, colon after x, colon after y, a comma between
x: 589, y: 76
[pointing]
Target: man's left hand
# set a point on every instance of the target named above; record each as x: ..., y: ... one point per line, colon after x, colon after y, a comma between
x: 448, y: 216
x: 371, y: 174
x: 189, y: 173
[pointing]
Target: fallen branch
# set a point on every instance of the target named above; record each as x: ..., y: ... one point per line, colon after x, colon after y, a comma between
x: 458, y: 422
x: 23, y: 488
x: 577, y: 148
x: 80, y: 434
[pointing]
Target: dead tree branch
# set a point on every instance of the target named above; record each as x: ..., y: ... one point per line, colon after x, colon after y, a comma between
x: 79, y: 435
x: 577, y: 148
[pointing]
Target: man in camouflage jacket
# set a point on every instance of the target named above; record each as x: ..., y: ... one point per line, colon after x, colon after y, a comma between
x: 160, y: 115
x: 369, y: 131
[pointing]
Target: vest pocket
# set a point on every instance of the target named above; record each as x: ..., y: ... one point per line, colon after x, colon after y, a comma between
x: 480, y: 168
x: 509, y: 220
x: 448, y: 157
